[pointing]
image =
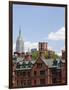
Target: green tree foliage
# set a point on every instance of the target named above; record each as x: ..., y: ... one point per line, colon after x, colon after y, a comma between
x: 53, y: 55
x: 35, y: 55
x: 46, y: 55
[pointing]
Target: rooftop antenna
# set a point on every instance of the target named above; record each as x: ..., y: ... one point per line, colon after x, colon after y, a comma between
x: 19, y: 31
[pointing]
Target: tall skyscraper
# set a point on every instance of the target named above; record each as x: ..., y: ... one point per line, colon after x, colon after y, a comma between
x: 19, y: 43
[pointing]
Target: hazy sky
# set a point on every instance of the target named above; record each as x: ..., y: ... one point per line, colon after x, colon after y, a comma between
x: 39, y: 23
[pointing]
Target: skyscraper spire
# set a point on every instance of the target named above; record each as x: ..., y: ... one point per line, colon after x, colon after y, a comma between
x: 19, y: 43
x: 19, y: 32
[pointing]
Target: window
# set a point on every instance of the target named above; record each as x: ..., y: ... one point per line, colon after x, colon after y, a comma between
x: 17, y: 82
x: 42, y: 81
x: 18, y: 73
x: 54, y: 62
x: 35, y: 73
x: 35, y: 82
x: 42, y: 72
x: 59, y: 77
x: 24, y: 73
x: 54, y: 80
x: 23, y: 65
x: 24, y: 82
x: 18, y: 65
x: 29, y: 82
x: 39, y: 65
x: 29, y: 64
x: 54, y: 76
x: 29, y: 74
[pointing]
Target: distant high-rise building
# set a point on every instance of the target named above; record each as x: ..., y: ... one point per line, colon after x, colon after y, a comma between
x: 19, y: 43
x: 43, y: 46
x: 33, y: 49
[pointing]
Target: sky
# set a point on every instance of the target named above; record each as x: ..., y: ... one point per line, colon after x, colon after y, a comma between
x: 39, y: 24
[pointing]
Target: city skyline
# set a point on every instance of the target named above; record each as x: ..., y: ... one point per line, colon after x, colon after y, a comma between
x: 46, y: 24
x: 39, y: 56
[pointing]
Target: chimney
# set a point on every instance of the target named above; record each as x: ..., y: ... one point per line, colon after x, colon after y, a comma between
x: 63, y: 54
x: 23, y: 54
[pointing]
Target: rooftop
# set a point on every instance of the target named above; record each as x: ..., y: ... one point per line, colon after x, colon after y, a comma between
x: 27, y: 65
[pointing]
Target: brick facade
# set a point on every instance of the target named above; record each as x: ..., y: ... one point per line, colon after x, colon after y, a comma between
x: 40, y: 74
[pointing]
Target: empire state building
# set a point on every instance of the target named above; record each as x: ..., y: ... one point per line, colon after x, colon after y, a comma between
x: 19, y: 43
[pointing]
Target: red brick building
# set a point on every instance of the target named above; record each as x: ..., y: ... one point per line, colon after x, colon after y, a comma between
x: 38, y: 72
x: 43, y: 46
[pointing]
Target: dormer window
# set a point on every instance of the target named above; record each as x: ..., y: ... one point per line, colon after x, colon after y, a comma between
x: 29, y: 64
x: 55, y: 63
x: 18, y: 65
x: 23, y: 64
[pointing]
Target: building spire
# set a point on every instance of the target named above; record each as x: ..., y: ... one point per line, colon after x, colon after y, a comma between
x: 19, y: 43
x: 19, y: 32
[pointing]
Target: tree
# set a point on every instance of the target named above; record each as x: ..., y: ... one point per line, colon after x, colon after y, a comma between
x: 55, y: 56
x: 46, y: 55
x: 35, y: 55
